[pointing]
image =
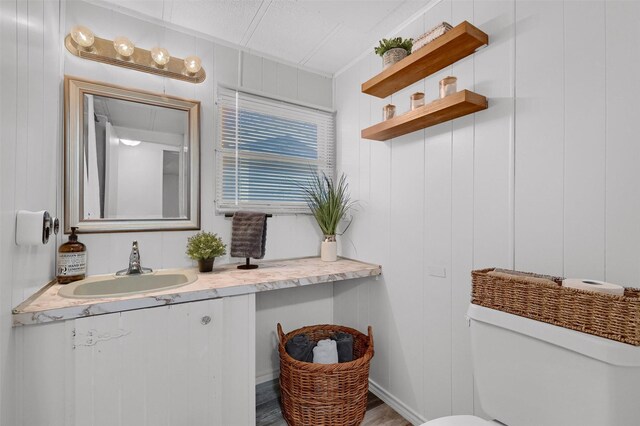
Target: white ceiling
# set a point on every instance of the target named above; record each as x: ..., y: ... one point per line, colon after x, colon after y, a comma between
x: 160, y: 125
x: 322, y: 35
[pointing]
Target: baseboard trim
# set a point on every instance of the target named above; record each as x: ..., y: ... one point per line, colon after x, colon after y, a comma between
x: 377, y: 390
x: 267, y: 377
x: 396, y: 404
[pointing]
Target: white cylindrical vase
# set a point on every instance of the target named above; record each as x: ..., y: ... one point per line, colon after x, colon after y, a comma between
x: 329, y: 249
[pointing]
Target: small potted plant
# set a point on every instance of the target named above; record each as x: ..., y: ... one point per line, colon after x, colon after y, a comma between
x: 205, y: 247
x: 393, y: 50
x: 329, y: 203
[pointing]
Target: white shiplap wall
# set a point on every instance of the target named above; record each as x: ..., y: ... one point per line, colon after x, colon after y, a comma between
x: 30, y: 128
x: 544, y: 180
x: 288, y: 236
x: 223, y: 65
x: 33, y: 62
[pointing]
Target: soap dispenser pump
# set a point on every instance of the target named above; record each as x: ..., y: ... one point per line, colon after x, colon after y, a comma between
x: 72, y: 260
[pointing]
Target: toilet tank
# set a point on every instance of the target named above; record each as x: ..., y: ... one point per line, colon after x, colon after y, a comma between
x: 530, y: 373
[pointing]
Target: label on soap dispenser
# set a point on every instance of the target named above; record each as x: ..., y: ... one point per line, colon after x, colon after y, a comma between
x: 72, y: 264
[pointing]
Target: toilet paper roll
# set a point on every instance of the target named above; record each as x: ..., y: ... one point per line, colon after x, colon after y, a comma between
x: 594, y: 285
x: 33, y: 228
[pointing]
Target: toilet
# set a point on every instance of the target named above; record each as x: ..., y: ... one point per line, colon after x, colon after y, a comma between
x: 529, y: 373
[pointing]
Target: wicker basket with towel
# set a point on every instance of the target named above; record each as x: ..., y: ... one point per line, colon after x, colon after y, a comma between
x: 325, y: 394
x: 429, y: 36
x: 544, y: 298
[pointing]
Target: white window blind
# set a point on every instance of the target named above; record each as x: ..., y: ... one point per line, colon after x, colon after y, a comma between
x: 266, y: 149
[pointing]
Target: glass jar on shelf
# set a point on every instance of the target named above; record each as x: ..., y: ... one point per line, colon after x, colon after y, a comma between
x: 388, y: 112
x: 448, y: 86
x: 417, y: 100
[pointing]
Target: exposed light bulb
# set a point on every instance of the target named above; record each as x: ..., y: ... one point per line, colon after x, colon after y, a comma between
x: 193, y: 64
x: 129, y: 142
x: 160, y: 56
x: 123, y: 46
x: 83, y: 36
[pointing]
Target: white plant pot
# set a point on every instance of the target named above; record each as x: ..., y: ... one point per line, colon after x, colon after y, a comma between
x: 329, y: 251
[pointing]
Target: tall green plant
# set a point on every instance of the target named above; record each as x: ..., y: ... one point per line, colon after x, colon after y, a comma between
x: 329, y: 201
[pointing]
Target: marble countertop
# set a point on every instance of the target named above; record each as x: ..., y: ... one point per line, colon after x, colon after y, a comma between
x: 47, y: 306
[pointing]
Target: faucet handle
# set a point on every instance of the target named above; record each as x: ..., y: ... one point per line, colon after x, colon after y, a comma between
x: 135, y: 253
x: 135, y: 268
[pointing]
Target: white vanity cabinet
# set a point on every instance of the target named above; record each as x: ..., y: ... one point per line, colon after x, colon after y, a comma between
x: 179, y: 365
x: 176, y: 357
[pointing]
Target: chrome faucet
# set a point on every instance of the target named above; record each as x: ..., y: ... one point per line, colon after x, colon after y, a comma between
x: 135, y: 268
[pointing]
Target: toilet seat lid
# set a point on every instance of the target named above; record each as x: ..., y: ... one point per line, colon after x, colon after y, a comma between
x: 458, y: 421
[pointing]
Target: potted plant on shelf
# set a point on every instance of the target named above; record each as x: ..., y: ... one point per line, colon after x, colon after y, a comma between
x: 329, y: 202
x: 393, y: 50
x: 205, y: 247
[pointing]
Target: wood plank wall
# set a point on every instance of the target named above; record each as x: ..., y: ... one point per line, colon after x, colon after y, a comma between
x: 33, y: 61
x: 544, y: 180
x: 30, y: 128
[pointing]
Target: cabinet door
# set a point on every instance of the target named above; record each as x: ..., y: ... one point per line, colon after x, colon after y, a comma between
x: 166, y: 366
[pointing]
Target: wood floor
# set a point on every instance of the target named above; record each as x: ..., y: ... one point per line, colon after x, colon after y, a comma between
x: 268, y: 409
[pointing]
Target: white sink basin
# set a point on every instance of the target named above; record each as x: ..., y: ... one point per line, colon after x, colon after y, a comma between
x: 114, y: 286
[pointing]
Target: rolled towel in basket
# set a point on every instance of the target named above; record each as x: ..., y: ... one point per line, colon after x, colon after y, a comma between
x: 300, y: 348
x: 505, y: 273
x: 594, y: 286
x: 325, y: 352
x: 344, y: 343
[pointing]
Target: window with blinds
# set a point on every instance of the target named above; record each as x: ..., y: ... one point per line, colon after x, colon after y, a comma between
x: 266, y: 149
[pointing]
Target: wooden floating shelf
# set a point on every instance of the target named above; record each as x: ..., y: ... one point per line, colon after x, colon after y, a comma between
x: 455, y: 44
x: 453, y: 106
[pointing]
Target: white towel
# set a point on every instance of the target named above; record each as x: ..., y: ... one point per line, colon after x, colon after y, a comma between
x: 325, y: 352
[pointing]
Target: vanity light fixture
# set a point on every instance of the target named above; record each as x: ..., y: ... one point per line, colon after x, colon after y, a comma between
x: 129, y: 142
x: 123, y: 46
x: 122, y: 52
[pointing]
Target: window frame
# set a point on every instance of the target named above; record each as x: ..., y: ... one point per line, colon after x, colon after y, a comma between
x: 323, y: 163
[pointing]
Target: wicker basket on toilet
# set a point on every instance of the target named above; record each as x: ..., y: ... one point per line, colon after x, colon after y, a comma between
x: 325, y: 394
x: 543, y: 298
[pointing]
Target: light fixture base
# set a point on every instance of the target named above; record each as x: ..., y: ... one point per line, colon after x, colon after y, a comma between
x: 103, y: 51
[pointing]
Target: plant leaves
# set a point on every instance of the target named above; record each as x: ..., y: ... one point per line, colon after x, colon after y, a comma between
x: 386, y: 44
x: 205, y: 245
x: 329, y: 201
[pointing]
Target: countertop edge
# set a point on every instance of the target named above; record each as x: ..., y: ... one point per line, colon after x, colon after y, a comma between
x: 22, y: 318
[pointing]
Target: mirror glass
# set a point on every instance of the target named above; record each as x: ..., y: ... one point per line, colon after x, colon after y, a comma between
x: 135, y: 160
x: 131, y: 159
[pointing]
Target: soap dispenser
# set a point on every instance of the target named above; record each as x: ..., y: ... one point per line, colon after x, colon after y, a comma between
x: 72, y: 260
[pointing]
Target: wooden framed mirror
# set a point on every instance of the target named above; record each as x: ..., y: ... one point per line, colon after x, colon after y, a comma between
x: 132, y: 159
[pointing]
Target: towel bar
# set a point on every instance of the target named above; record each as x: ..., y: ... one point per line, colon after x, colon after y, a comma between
x: 248, y: 264
x: 231, y: 215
